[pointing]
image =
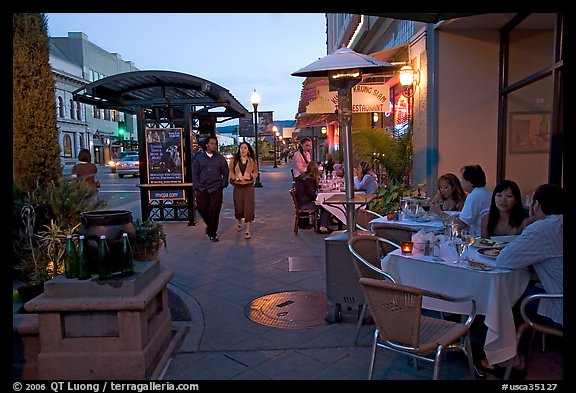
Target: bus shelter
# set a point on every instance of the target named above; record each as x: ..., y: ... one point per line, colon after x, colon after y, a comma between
x: 174, y: 111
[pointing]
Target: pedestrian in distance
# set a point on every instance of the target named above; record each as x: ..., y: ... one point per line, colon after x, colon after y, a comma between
x: 210, y: 174
x: 86, y: 171
x: 243, y: 172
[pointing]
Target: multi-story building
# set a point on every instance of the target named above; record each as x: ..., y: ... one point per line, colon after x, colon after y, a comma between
x: 76, y: 62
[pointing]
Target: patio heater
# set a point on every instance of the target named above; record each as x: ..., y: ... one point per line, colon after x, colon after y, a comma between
x: 344, y: 69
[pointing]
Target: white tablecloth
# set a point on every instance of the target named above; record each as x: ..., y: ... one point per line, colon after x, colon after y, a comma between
x: 338, y: 213
x: 495, y: 292
x: 416, y: 225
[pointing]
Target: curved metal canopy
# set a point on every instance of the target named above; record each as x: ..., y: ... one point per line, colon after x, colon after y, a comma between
x: 128, y: 91
x: 345, y: 59
x: 426, y: 17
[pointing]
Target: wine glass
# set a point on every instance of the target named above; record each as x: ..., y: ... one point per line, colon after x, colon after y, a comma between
x: 425, y: 206
x: 460, y: 247
x: 468, y: 238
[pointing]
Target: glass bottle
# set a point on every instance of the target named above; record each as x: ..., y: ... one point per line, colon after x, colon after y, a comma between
x: 83, y: 269
x: 127, y: 256
x: 104, y: 259
x: 70, y: 259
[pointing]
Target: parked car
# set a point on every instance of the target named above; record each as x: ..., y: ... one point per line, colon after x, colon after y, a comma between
x: 129, y: 165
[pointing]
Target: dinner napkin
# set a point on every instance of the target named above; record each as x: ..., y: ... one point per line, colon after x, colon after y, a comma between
x: 419, y: 238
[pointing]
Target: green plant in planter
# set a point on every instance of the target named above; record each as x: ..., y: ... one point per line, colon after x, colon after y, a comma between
x: 388, y: 198
x: 44, y: 256
x: 150, y: 236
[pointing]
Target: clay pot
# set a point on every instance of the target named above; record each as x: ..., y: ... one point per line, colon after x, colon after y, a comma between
x: 112, y: 224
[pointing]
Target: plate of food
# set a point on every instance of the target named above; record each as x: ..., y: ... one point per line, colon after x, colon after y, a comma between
x: 503, y: 239
x: 479, y: 266
x: 490, y: 252
x: 483, y: 243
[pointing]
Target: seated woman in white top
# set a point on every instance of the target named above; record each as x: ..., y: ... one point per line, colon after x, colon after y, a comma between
x: 365, y: 179
x: 477, y: 202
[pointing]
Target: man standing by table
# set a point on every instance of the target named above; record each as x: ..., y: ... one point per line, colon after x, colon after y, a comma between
x: 210, y: 174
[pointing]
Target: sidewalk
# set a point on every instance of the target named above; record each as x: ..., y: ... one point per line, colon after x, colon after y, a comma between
x: 218, y: 282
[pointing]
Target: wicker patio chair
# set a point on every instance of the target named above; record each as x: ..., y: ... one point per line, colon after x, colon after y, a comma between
x: 401, y: 326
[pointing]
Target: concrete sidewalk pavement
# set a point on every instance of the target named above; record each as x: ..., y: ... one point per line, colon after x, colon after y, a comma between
x: 218, y: 282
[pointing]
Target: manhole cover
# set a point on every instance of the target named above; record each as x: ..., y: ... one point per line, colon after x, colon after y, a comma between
x: 290, y: 310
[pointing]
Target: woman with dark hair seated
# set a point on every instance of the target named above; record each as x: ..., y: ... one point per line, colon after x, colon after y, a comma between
x: 306, y: 186
x: 506, y: 215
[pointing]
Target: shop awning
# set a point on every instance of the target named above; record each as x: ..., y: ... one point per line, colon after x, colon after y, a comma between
x: 315, y: 120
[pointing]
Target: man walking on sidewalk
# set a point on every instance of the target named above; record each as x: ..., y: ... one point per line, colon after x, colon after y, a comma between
x: 210, y: 175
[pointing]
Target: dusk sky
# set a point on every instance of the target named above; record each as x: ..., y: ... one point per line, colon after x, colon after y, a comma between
x: 240, y: 51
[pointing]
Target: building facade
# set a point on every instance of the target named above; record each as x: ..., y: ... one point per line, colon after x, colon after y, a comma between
x: 488, y: 90
x: 76, y: 62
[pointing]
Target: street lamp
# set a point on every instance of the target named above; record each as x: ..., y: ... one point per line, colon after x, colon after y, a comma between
x: 275, y: 134
x: 255, y: 98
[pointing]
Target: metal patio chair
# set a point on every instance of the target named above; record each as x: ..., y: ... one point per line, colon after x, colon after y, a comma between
x: 367, y: 251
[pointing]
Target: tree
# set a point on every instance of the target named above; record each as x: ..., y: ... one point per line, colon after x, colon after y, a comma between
x: 36, y: 152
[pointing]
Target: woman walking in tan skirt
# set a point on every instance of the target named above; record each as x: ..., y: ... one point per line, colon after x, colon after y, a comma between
x: 243, y: 172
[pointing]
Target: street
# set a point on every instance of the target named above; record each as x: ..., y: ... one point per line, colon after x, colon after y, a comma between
x: 121, y: 194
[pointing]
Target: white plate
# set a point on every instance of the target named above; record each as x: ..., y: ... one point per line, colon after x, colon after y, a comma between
x: 503, y: 239
x: 483, y: 243
x: 479, y: 266
x: 490, y: 252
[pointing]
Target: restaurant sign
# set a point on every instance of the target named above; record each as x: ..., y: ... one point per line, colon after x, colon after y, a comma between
x: 365, y: 98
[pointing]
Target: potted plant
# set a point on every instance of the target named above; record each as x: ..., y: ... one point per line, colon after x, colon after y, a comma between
x: 150, y: 236
x: 387, y: 199
x: 41, y: 221
x: 43, y: 258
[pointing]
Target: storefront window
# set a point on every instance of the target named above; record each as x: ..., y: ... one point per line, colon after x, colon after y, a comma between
x: 67, y: 145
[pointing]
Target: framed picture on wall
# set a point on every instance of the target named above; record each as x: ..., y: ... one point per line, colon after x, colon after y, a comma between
x: 529, y: 132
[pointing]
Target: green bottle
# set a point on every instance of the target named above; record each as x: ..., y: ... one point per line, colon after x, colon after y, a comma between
x: 70, y: 259
x: 104, y: 259
x: 83, y: 269
x: 127, y: 256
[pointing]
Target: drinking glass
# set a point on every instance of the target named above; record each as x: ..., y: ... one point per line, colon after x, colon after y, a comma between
x: 404, y: 203
x: 460, y: 247
x: 468, y: 238
x: 425, y: 206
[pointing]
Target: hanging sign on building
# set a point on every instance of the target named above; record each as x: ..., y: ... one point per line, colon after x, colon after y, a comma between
x: 365, y: 98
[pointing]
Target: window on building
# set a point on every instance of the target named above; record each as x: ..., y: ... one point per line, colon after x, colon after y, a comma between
x: 67, y: 144
x: 81, y: 140
x: 72, y: 109
x: 95, y: 112
x: 78, y: 111
x: 60, y: 107
x: 106, y: 114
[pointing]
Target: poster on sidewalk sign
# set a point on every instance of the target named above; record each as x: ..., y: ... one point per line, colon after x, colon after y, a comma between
x: 164, y: 150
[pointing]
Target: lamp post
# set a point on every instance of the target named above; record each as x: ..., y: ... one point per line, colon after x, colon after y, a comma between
x: 255, y: 98
x: 275, y: 135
